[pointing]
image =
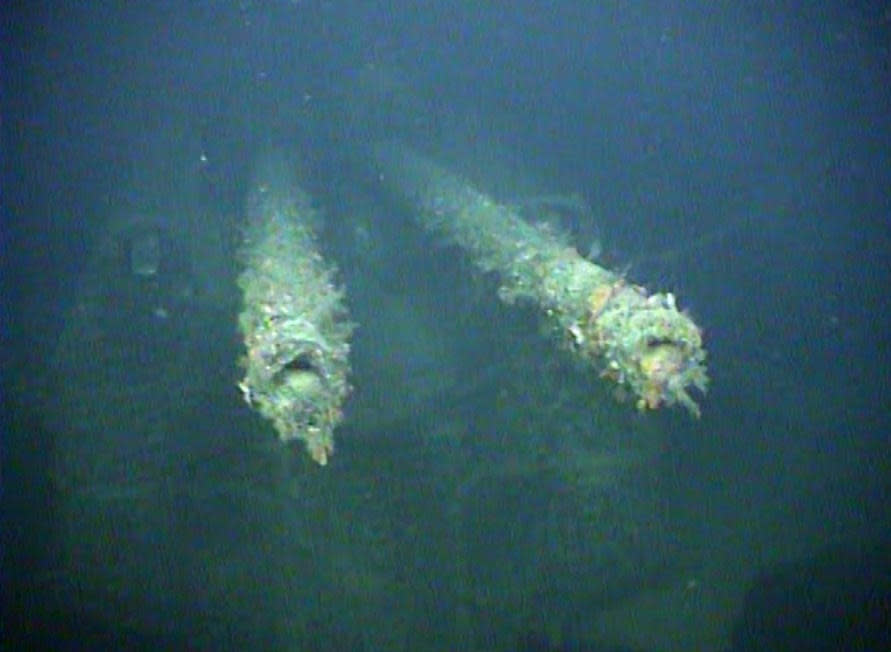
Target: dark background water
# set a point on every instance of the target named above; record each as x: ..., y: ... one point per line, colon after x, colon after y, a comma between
x: 738, y: 154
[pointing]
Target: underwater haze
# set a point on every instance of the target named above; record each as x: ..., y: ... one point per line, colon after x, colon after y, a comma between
x: 485, y: 490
